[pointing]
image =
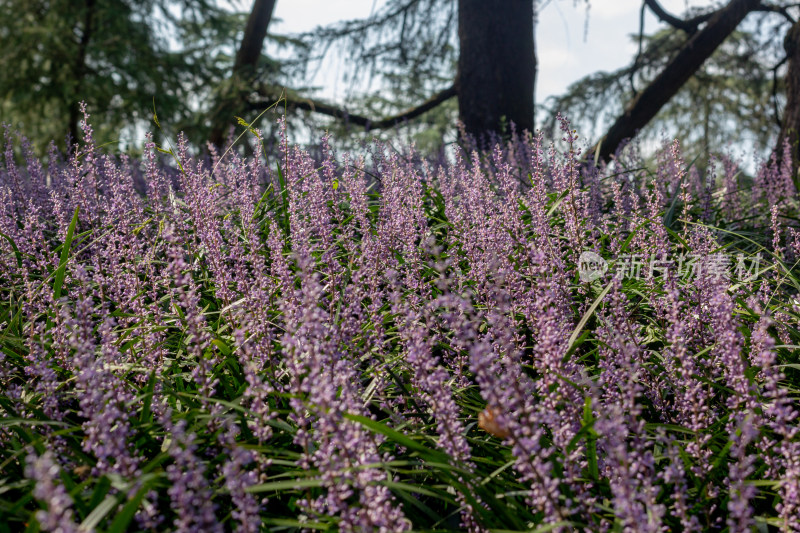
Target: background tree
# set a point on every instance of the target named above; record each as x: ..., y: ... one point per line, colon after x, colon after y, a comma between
x: 118, y: 56
x: 245, y: 68
x: 122, y: 57
x: 680, y: 68
x: 728, y: 100
x: 205, y: 65
x: 481, y: 51
x: 702, y: 65
x: 734, y: 94
x: 790, y: 124
x: 406, y: 56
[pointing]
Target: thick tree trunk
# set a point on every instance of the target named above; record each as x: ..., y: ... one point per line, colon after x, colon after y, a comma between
x: 791, y: 115
x: 244, y: 66
x: 647, y: 103
x: 496, y: 65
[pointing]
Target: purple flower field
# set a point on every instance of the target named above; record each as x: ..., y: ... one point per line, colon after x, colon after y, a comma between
x: 508, y: 340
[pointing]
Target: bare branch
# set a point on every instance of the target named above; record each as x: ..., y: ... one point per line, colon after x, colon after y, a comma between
x: 350, y: 27
x: 781, y: 10
x: 774, y: 69
x: 635, y: 66
x: 689, y: 26
x: 316, y: 106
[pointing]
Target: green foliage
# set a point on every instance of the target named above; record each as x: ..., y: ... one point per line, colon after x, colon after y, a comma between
x: 728, y: 101
x: 404, y: 52
x: 119, y: 56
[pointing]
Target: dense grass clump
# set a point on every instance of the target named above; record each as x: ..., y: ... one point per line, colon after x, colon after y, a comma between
x: 511, y: 340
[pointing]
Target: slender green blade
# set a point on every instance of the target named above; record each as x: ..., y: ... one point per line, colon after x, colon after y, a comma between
x: 61, y: 271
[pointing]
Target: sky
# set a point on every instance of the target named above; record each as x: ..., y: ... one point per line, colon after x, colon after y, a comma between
x: 571, y: 41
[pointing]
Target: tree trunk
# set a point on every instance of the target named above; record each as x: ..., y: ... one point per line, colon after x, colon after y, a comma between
x: 496, y: 65
x: 244, y: 66
x: 254, y: 34
x: 791, y: 116
x: 647, y: 103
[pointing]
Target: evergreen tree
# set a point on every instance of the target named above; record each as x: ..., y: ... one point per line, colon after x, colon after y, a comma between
x: 122, y: 57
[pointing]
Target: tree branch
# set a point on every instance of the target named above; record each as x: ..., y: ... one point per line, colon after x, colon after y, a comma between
x: 309, y: 104
x: 777, y: 112
x: 689, y: 26
x: 349, y: 27
x: 688, y: 60
x: 635, y: 66
x: 254, y: 34
x: 782, y: 10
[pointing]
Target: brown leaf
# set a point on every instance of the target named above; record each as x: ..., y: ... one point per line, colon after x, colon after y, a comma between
x: 487, y: 421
